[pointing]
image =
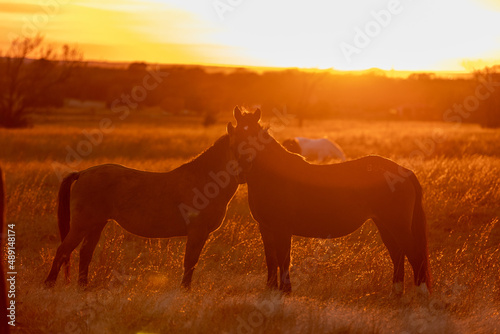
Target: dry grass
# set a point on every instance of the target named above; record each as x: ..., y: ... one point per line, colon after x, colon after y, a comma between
x: 340, y: 286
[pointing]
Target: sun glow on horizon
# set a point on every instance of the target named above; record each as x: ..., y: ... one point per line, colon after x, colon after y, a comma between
x: 390, y: 34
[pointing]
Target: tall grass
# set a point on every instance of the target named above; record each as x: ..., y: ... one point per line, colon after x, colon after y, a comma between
x: 340, y: 286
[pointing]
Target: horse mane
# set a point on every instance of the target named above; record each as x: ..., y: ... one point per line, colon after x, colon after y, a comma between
x: 211, y: 155
x: 281, y: 151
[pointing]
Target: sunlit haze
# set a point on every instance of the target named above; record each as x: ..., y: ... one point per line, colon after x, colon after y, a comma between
x: 410, y: 35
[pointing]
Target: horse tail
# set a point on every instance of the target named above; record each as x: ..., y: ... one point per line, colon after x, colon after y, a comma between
x: 419, y: 230
x: 63, y: 211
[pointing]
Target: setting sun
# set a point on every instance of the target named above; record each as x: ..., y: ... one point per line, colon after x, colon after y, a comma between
x: 392, y: 34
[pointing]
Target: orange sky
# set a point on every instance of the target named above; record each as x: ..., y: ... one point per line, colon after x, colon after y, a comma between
x: 424, y: 35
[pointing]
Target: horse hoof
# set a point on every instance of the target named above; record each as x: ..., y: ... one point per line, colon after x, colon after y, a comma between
x: 397, y: 289
x: 286, y: 290
x: 186, y: 286
x: 422, y: 290
x: 82, y: 283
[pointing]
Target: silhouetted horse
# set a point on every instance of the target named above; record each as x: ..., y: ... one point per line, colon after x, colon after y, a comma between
x: 320, y: 149
x: 4, y: 326
x: 190, y: 200
x: 288, y: 196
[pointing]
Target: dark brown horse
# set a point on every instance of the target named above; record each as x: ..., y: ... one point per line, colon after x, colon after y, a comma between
x: 190, y: 200
x: 4, y: 326
x: 288, y: 196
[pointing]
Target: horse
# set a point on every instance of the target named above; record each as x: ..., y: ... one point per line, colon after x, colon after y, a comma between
x: 4, y: 326
x: 321, y: 149
x: 289, y: 196
x: 190, y: 200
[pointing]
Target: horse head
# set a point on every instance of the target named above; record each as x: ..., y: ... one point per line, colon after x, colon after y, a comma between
x: 247, y: 138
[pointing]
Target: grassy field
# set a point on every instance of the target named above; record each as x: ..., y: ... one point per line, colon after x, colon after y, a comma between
x: 340, y: 286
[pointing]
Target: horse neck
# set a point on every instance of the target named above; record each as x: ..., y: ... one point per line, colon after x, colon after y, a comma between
x: 276, y: 159
x: 213, y: 159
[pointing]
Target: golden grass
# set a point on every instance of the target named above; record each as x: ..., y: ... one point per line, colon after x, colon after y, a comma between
x: 340, y: 286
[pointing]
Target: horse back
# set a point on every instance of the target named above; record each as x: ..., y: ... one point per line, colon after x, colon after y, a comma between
x: 144, y: 203
x: 363, y: 173
x: 328, y: 200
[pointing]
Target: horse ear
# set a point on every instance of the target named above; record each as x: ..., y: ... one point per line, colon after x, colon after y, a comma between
x: 257, y: 114
x: 237, y: 113
x: 230, y: 128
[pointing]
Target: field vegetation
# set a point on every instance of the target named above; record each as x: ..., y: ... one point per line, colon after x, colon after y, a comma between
x: 339, y: 286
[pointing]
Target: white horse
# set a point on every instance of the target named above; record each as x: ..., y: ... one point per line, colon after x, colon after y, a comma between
x: 321, y: 149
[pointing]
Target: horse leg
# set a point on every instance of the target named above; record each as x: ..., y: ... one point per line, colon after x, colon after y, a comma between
x: 419, y: 266
x: 271, y: 258
x: 72, y: 240
x: 86, y: 252
x: 416, y: 257
x: 283, y: 254
x: 195, y: 241
x: 398, y: 260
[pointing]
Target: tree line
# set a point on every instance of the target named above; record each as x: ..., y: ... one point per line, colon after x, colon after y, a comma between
x: 34, y: 77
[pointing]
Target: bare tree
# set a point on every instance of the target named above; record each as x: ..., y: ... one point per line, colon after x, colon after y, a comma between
x: 489, y: 107
x: 310, y: 83
x: 28, y: 71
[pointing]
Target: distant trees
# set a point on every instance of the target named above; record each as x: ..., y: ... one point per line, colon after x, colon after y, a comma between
x: 209, y: 119
x: 422, y: 76
x: 489, y: 107
x: 34, y: 76
x: 307, y: 94
x: 31, y: 75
